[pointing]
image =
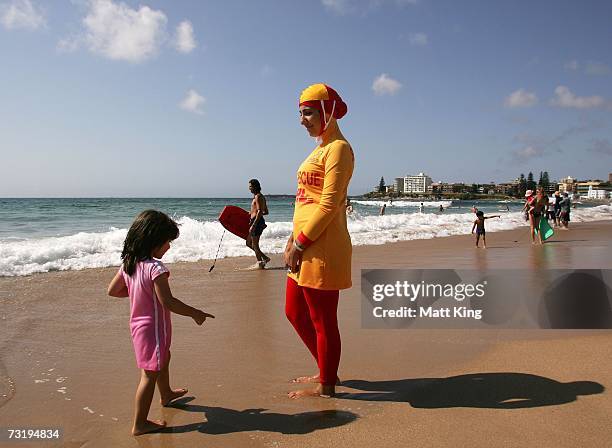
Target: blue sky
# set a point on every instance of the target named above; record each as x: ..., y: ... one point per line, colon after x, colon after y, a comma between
x: 191, y: 98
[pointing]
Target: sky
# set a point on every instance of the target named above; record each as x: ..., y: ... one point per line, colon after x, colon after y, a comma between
x: 102, y: 98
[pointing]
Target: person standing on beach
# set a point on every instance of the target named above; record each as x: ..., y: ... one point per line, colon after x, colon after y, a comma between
x: 479, y: 225
x: 528, y: 209
x: 257, y: 223
x: 550, y: 211
x: 318, y: 252
x: 557, y: 208
x: 144, y: 279
x: 565, y: 207
x: 536, y: 207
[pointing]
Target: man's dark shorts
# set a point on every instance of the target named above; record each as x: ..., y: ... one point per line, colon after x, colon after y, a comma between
x: 259, y: 228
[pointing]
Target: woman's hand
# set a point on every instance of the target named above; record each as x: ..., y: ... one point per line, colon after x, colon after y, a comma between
x: 287, y: 249
x: 293, y: 258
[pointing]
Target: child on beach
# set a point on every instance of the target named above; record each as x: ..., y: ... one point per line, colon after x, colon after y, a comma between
x: 479, y: 225
x: 144, y: 279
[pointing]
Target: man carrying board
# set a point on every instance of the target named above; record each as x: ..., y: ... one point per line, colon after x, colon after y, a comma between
x: 257, y: 223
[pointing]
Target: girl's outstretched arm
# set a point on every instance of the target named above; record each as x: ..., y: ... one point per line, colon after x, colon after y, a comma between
x: 117, y: 286
x: 162, y: 290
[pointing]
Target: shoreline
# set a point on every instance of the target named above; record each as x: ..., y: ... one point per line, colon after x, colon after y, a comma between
x: 276, y: 257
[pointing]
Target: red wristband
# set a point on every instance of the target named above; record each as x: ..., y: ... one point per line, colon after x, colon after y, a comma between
x: 303, y: 240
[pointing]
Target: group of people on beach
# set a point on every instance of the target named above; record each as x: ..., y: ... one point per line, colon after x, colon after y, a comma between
x: 317, y: 255
x: 537, y: 207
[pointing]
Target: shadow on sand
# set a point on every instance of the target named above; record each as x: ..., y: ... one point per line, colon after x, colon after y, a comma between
x: 478, y: 390
x: 225, y: 421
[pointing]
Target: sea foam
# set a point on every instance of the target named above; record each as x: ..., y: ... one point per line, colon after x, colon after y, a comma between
x: 199, y: 240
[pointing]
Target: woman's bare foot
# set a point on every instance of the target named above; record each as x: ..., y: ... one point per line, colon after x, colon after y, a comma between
x: 307, y: 379
x: 319, y: 391
x: 148, y: 426
x: 310, y: 379
x: 174, y: 394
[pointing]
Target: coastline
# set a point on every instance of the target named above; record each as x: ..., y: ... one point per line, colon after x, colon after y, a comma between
x: 66, y: 346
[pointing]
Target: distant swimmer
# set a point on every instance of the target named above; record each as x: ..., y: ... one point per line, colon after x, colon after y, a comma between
x: 349, y: 206
x: 421, y: 208
x: 479, y: 225
x: 382, y: 209
x: 257, y: 223
x: 441, y: 208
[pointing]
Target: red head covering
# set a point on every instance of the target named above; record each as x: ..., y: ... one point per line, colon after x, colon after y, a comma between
x: 326, y: 100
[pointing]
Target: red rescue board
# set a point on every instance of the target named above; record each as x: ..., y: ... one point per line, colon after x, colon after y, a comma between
x: 236, y: 220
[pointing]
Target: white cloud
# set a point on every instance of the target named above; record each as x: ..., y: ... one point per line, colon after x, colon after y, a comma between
x: 337, y: 6
x: 418, y: 39
x: 572, y: 65
x: 527, y: 153
x: 185, y: 39
x: 565, y: 98
x: 594, y: 68
x: 521, y: 98
x: 119, y: 32
x: 597, y: 68
x: 68, y: 45
x: 21, y: 14
x: 343, y: 7
x: 384, y: 85
x: 193, y: 102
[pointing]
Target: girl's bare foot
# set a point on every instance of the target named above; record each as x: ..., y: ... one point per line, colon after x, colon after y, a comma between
x: 148, y: 426
x: 174, y: 394
x: 319, y: 391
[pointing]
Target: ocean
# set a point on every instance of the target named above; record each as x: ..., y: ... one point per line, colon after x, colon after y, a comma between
x: 42, y: 235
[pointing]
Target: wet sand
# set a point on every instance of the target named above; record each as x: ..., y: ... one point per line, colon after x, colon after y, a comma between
x: 66, y: 360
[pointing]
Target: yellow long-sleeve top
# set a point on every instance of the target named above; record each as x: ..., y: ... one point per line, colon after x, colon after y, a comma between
x: 320, y: 216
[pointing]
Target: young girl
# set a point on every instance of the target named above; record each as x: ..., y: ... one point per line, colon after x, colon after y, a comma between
x: 144, y: 279
x: 479, y: 225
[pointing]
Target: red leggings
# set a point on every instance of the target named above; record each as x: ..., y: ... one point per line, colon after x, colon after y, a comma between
x: 314, y: 315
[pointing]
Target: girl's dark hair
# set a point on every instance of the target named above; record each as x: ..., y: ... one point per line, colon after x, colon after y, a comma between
x: 256, y: 185
x: 149, y: 230
x: 479, y: 213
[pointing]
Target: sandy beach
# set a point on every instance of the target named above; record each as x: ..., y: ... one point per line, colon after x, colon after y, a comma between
x: 66, y: 360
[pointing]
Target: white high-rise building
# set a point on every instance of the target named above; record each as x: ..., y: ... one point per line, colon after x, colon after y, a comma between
x: 596, y: 194
x: 417, y: 184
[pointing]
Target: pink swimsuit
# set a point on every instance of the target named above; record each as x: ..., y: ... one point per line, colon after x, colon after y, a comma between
x: 149, y: 321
